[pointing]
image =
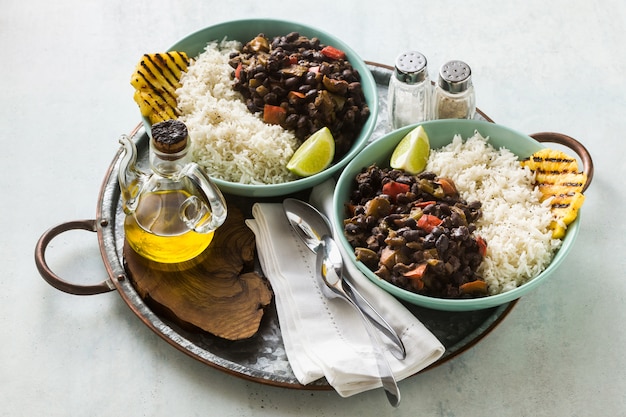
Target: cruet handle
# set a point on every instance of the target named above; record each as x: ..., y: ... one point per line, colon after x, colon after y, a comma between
x: 194, y: 211
x: 129, y: 177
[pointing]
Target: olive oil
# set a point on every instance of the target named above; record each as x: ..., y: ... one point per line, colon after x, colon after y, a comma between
x: 173, y: 209
x: 157, y: 232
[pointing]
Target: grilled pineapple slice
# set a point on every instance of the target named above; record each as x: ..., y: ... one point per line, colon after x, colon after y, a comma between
x: 558, y: 179
x: 550, y: 160
x: 564, y: 207
x: 156, y: 79
x: 563, y: 183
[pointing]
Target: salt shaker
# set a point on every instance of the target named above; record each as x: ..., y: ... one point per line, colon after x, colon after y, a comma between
x: 410, y: 90
x: 454, y: 96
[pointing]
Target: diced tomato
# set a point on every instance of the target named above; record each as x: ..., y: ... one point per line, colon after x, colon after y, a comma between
x: 428, y: 222
x: 417, y: 272
x: 482, y: 245
x: 333, y: 53
x: 295, y: 96
x: 274, y: 115
x: 293, y: 59
x: 475, y: 287
x: 393, y: 188
x: 238, y: 71
x: 423, y: 204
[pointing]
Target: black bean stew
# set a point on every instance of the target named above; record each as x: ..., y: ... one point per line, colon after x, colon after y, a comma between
x: 302, y: 85
x: 415, y: 232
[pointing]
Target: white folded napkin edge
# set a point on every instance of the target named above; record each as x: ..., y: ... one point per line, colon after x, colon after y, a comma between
x: 324, y: 336
x: 401, y: 319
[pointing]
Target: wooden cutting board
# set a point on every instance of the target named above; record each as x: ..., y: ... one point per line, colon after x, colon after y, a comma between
x: 217, y: 292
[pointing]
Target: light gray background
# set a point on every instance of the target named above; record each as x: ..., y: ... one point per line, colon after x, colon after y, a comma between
x: 65, y: 98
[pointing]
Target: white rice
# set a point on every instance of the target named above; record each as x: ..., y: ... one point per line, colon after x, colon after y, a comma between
x: 227, y: 140
x: 514, y: 222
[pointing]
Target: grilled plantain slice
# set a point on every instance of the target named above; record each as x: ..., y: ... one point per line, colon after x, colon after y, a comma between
x: 558, y: 179
x: 156, y: 79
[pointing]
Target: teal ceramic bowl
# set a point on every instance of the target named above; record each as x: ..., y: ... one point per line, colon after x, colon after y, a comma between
x: 243, y: 31
x: 440, y: 133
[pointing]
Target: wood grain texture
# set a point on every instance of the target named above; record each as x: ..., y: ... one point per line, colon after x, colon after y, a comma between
x: 218, y: 292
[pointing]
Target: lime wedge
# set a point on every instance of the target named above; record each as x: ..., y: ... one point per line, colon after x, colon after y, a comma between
x: 314, y: 155
x: 411, y: 154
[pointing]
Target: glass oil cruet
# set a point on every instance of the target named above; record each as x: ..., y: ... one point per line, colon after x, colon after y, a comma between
x: 173, y: 210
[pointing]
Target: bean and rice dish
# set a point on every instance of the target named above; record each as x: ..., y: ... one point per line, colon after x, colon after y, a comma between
x: 225, y: 91
x: 501, y: 239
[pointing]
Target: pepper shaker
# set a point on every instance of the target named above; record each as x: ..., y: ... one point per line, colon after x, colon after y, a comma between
x: 454, y: 96
x: 409, y: 95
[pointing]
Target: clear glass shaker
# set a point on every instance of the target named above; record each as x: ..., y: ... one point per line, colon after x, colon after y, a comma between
x: 410, y: 90
x: 454, y: 96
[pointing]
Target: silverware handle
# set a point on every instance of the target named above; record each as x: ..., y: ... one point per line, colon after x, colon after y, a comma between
x: 398, y: 350
x: 384, y: 369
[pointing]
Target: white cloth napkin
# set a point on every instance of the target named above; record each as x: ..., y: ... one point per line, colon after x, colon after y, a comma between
x: 323, y: 335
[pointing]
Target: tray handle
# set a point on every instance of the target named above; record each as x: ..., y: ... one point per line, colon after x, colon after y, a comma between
x: 53, y: 279
x: 574, y: 145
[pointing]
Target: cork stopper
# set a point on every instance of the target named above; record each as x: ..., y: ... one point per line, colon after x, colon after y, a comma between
x: 169, y: 136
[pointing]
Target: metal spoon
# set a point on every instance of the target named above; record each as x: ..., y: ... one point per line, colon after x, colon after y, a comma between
x: 311, y: 225
x: 330, y: 265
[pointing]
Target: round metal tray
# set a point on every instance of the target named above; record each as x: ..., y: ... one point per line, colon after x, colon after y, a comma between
x: 261, y: 358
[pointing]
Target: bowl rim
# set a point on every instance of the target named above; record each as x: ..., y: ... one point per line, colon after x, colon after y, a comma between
x: 386, y: 144
x: 367, y: 78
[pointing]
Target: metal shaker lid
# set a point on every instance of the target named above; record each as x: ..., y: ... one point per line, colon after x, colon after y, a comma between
x: 411, y: 67
x: 455, y: 76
